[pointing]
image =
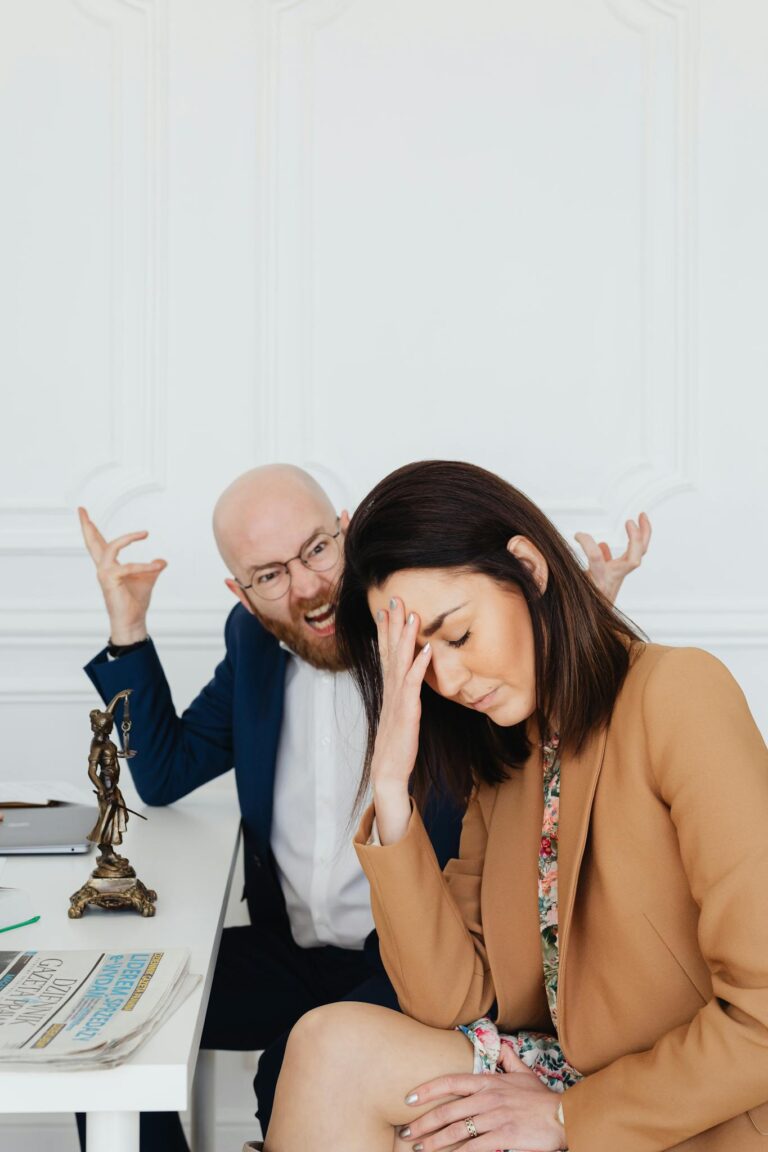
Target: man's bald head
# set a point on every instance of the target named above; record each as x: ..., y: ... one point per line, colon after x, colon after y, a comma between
x: 266, y: 517
x: 250, y: 512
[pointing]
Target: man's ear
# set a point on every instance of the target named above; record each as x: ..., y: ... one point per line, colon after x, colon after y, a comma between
x: 529, y: 555
x: 234, y: 587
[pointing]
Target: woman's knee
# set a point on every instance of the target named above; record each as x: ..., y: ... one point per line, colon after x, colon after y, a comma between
x: 333, y: 1035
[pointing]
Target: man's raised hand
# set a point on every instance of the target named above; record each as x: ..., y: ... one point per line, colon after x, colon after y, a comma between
x: 608, y: 572
x: 127, y: 588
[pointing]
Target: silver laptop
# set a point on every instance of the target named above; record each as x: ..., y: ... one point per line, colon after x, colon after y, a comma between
x: 57, y: 828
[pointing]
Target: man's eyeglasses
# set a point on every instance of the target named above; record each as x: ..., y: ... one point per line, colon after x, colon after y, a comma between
x: 319, y: 554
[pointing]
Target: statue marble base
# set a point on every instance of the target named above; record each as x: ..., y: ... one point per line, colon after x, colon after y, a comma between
x: 111, y: 893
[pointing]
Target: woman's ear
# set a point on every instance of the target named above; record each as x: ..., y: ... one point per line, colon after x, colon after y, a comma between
x: 529, y: 555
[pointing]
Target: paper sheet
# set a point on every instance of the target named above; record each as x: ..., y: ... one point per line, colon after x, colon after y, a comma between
x: 42, y: 791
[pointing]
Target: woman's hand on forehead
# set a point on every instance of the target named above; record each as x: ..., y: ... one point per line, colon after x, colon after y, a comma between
x: 397, y: 738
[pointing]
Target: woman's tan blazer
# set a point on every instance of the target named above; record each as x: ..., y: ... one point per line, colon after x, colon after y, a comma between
x: 663, y: 907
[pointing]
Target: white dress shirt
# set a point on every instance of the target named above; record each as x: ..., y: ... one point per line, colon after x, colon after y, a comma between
x: 319, y: 761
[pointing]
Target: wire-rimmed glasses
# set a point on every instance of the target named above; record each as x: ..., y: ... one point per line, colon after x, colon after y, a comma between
x: 271, y: 581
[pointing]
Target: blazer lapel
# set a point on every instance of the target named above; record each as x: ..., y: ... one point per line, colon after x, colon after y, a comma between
x: 260, y: 704
x: 578, y: 782
x: 509, y: 895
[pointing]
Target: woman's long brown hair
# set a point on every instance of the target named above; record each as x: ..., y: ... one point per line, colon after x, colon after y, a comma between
x: 447, y: 514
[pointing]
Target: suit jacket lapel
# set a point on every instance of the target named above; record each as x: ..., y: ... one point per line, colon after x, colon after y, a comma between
x: 260, y: 723
x: 510, y: 901
x: 578, y: 782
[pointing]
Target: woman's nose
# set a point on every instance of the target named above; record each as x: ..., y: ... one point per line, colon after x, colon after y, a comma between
x: 448, y: 673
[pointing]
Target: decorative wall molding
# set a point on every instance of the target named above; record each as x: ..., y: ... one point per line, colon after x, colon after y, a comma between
x: 58, y: 694
x: 670, y: 29
x: 136, y: 435
x: 704, y: 624
x: 25, y: 620
x: 665, y: 464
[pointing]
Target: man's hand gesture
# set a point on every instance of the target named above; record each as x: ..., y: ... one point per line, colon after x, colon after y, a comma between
x: 127, y: 588
x: 607, y: 571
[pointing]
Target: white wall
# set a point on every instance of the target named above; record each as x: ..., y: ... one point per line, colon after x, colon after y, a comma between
x: 350, y: 233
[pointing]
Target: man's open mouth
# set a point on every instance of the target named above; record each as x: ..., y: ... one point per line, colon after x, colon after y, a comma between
x: 322, y: 620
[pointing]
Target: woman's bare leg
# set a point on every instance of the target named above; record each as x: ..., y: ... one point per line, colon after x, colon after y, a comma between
x: 347, y: 1071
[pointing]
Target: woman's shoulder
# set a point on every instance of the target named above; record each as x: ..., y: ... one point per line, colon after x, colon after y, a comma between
x: 686, y: 709
x: 665, y: 664
x: 678, y: 681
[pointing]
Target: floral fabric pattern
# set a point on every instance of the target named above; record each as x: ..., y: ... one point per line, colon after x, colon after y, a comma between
x: 495, y: 1052
x: 541, y: 1053
x: 548, y: 923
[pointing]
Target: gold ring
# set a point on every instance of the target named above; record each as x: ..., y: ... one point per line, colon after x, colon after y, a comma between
x: 471, y: 1127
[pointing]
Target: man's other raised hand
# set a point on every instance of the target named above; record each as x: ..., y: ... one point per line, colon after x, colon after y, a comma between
x: 608, y: 571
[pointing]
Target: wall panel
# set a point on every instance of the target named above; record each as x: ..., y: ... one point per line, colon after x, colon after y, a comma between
x: 348, y: 234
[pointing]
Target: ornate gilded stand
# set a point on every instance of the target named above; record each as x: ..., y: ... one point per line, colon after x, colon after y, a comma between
x: 113, y: 884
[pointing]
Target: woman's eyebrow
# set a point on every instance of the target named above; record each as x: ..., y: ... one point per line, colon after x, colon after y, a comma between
x: 437, y: 623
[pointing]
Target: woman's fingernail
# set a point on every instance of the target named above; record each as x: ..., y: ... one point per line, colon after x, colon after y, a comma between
x: 380, y: 615
x: 411, y: 617
x: 418, y: 1148
x: 427, y: 647
x: 404, y: 1132
x: 413, y: 1098
x: 392, y: 604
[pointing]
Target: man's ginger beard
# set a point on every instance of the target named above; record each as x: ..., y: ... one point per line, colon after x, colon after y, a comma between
x: 320, y: 651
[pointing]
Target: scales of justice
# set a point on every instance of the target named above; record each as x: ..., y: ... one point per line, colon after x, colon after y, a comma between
x: 113, y: 882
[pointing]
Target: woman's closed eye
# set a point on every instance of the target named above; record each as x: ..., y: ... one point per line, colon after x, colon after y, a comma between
x: 461, y: 641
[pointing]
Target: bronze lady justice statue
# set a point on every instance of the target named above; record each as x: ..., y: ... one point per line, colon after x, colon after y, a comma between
x: 113, y: 882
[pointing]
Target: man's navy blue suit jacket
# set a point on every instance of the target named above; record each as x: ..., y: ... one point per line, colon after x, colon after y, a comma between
x: 234, y: 722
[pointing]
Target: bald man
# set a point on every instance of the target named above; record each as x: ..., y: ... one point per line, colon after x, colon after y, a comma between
x: 283, y: 713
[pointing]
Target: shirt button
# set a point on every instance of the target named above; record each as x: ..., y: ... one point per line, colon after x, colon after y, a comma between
x: 325, y: 741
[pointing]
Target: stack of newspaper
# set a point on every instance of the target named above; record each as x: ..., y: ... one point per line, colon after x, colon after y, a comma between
x: 86, y: 1009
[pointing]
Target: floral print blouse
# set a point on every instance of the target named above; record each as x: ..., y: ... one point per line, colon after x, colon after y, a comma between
x: 540, y: 1052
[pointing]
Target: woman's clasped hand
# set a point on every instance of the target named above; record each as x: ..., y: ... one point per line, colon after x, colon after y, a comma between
x: 511, y: 1110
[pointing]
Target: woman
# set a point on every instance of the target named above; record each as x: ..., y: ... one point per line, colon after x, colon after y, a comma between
x: 602, y: 941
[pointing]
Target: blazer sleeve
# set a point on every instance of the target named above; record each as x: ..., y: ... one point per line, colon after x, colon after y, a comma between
x: 175, y: 754
x: 711, y: 770
x: 429, y: 922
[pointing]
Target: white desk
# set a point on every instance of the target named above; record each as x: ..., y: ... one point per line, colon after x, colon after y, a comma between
x: 187, y: 853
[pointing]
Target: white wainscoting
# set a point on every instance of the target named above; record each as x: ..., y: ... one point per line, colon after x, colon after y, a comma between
x: 350, y: 233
